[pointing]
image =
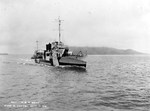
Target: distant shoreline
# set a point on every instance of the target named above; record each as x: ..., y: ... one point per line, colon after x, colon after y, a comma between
x: 105, y: 51
x: 3, y: 53
x: 100, y: 54
x: 121, y: 54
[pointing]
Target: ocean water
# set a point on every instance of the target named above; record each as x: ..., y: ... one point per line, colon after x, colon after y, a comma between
x: 109, y: 83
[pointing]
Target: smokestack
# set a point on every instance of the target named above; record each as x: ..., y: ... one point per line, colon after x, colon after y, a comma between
x: 48, y: 47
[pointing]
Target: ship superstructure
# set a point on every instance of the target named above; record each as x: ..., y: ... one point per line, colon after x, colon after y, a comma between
x: 57, y: 54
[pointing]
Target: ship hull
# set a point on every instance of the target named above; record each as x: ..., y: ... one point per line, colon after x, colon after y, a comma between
x: 71, y: 61
x: 64, y: 61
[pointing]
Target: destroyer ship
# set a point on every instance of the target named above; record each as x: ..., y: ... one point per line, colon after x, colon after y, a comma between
x: 58, y: 54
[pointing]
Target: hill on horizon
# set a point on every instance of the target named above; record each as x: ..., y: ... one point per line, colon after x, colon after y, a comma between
x: 3, y: 53
x: 104, y: 51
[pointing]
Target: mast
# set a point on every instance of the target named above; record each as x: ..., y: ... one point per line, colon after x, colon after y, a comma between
x: 59, y: 29
x: 37, y: 45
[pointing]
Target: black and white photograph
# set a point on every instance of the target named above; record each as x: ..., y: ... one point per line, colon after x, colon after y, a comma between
x: 74, y: 55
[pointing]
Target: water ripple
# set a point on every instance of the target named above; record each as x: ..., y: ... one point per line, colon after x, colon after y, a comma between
x: 109, y: 83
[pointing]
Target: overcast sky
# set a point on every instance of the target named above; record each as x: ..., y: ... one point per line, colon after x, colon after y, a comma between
x: 123, y: 24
